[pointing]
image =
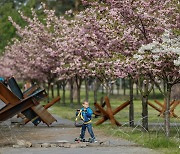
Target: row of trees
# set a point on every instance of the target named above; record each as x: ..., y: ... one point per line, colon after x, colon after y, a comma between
x: 11, y: 7
x: 108, y: 40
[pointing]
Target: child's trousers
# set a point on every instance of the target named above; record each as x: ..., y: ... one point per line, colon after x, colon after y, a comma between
x: 83, y: 130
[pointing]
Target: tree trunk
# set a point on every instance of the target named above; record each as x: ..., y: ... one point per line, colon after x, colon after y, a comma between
x: 58, y: 90
x: 108, y: 89
x: 95, y: 91
x: 102, y: 87
x: 79, y: 95
x: 64, y: 92
x: 137, y: 90
x: 58, y: 87
x: 44, y: 85
x: 124, y: 86
x: 154, y: 91
x: 131, y: 106
x: 164, y: 87
x: 167, y: 111
x: 87, y: 89
x: 175, y: 92
x: 71, y: 92
x: 48, y: 89
x: 118, y: 88
x: 112, y: 89
x: 145, y: 112
x: 52, y: 90
x: 78, y: 84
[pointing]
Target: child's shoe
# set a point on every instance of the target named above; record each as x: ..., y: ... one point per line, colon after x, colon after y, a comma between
x: 82, y: 139
x: 92, y: 140
x: 77, y: 139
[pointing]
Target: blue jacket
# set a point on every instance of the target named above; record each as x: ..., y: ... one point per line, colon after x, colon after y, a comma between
x: 86, y: 114
x: 1, y: 79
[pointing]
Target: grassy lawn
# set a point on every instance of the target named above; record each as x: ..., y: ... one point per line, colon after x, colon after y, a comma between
x: 153, y: 139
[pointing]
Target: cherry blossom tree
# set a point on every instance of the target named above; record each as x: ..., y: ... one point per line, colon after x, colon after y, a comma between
x: 161, y: 62
x: 137, y: 23
x: 99, y: 42
x: 5, y: 68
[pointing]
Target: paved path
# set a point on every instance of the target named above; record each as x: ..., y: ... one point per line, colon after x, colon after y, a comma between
x: 65, y: 130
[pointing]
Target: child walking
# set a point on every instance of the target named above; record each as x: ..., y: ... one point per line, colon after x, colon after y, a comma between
x: 86, y: 114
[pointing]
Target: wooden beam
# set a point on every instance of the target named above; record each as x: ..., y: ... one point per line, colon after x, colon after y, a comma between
x: 153, y: 106
x: 109, y: 111
x: 121, y: 107
x: 157, y: 102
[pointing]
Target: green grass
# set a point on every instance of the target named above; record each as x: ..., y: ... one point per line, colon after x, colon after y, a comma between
x: 154, y: 139
x: 64, y: 112
x: 116, y: 100
x: 150, y: 140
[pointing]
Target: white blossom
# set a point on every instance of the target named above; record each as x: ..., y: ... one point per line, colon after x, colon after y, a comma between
x: 148, y: 47
x: 155, y: 57
x: 177, y: 62
x: 138, y: 57
x: 170, y: 44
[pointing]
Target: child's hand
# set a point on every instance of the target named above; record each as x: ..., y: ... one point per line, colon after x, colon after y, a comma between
x: 84, y: 110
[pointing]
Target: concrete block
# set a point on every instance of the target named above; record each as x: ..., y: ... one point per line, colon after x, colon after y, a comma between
x: 45, y: 145
x: 37, y: 145
x: 28, y: 144
x: 18, y: 146
x: 67, y: 145
x: 53, y: 145
x: 24, y: 143
x: 60, y: 145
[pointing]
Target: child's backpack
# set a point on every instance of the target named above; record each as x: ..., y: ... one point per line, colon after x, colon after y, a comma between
x: 79, y: 121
